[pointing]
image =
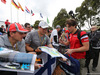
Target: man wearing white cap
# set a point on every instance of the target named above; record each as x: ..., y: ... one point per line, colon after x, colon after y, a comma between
x: 35, y: 39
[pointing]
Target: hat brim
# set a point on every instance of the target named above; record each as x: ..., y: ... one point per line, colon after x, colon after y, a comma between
x: 44, y: 26
x: 23, y: 31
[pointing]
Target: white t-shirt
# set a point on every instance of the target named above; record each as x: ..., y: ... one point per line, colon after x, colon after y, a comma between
x: 54, y: 32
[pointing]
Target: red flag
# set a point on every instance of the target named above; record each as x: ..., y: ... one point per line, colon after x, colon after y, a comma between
x: 4, y: 1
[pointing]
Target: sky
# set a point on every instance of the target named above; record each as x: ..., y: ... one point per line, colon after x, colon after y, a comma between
x: 48, y: 8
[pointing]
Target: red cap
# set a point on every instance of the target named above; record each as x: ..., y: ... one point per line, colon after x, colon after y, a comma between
x: 66, y: 31
x: 16, y: 27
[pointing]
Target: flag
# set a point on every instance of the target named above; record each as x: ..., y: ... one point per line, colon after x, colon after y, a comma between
x: 41, y: 15
x: 20, y: 7
x: 13, y: 3
x: 47, y: 20
x: 27, y: 10
x: 4, y: 1
x: 32, y: 13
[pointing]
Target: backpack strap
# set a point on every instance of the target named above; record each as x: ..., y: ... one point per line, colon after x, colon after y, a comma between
x: 79, y: 36
x: 68, y: 35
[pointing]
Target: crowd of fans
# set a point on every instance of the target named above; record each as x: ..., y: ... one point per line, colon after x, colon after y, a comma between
x: 26, y: 39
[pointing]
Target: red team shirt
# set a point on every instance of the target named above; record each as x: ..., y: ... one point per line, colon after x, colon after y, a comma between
x: 75, y: 43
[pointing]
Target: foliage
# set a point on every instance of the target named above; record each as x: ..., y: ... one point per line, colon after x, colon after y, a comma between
x: 50, y: 28
x: 88, y: 10
x: 36, y: 24
x: 60, y: 19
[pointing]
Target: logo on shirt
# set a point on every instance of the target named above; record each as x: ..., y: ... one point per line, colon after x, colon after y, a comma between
x: 85, y: 39
x: 75, y: 36
x: 45, y: 38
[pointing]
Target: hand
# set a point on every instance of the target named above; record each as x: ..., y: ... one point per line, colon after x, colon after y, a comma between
x: 37, y: 66
x: 64, y: 59
x: 61, y: 41
x: 38, y: 51
x: 69, y: 51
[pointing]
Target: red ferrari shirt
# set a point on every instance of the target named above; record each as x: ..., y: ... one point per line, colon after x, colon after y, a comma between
x: 75, y: 43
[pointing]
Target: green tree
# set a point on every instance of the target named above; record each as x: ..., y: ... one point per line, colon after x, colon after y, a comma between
x: 88, y: 10
x: 60, y: 19
x: 50, y: 28
x: 36, y: 24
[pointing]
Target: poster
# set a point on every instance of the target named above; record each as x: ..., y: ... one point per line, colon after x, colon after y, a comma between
x: 53, y: 53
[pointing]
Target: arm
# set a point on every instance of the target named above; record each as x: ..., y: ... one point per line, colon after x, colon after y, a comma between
x: 28, y: 40
x: 64, y: 42
x: 51, y: 40
x: 31, y: 50
x: 84, y: 48
x: 28, y: 48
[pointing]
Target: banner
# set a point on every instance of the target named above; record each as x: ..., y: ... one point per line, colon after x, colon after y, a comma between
x: 11, y: 60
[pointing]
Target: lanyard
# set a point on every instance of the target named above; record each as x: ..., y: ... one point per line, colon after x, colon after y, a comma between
x: 41, y: 42
x: 16, y: 49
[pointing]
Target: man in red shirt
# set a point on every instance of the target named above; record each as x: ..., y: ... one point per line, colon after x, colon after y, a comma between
x: 7, y: 23
x: 76, y: 50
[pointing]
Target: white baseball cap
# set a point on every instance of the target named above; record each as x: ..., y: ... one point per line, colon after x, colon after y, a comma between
x: 43, y: 24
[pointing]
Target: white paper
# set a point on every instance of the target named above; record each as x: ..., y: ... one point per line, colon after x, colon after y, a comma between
x: 53, y: 52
